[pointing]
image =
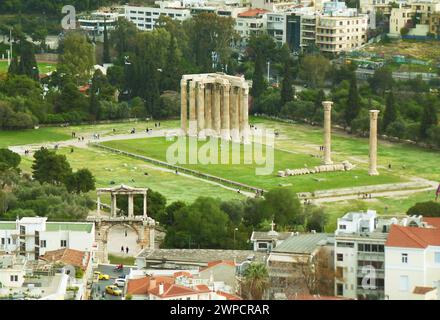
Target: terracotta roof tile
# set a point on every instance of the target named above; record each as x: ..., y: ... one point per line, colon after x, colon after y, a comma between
x: 172, y: 290
x: 314, y: 297
x: 218, y: 262
x: 413, y: 237
x: 433, y: 221
x: 68, y: 256
x: 252, y: 13
x: 145, y: 284
x: 228, y: 296
x: 422, y: 290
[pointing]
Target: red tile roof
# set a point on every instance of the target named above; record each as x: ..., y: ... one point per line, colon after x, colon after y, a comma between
x: 143, y: 285
x: 218, y: 262
x: 433, y: 221
x: 203, y: 288
x: 413, y: 237
x: 422, y: 290
x: 68, y: 256
x: 252, y: 13
x: 172, y: 290
x: 228, y: 296
x: 182, y: 274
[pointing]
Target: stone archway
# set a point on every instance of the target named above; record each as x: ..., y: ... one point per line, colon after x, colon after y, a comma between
x: 123, y: 235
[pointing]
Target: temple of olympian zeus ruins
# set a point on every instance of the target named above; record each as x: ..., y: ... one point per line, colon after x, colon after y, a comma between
x: 216, y: 105
x: 327, y: 105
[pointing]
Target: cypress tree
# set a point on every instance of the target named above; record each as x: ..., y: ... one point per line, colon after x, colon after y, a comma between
x: 106, y: 50
x: 390, y: 113
x: 429, y: 119
x: 353, y: 104
x: 13, y: 67
x: 258, y: 85
x: 171, y: 72
x: 28, y: 63
x: 287, y: 83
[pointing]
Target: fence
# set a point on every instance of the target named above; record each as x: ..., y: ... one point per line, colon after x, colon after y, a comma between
x: 195, y: 173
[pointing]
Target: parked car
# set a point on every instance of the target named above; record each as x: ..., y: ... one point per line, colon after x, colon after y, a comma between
x: 120, y: 282
x: 102, y: 276
x: 113, y: 290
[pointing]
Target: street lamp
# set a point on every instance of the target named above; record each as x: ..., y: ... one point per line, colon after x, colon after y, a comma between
x: 235, y: 230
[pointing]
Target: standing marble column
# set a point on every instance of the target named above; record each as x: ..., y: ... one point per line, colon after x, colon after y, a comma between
x: 183, y: 106
x: 201, y: 110
x: 244, y: 126
x: 145, y: 206
x: 373, y: 143
x: 225, y: 113
x: 98, y: 205
x: 192, y: 109
x: 235, y: 121
x: 216, y: 110
x: 208, y: 113
x: 114, y: 208
x: 130, y: 206
x: 327, y: 131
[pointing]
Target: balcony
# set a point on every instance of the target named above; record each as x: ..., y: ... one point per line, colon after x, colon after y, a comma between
x: 380, y: 273
x: 371, y: 256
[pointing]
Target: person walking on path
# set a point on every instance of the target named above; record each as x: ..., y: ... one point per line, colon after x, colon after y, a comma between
x: 126, y: 250
x: 122, y: 249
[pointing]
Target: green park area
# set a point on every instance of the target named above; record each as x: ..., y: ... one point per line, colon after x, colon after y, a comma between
x: 62, y: 133
x: 43, y: 67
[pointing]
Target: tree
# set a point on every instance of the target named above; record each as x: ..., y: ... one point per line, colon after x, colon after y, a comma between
x: 28, y: 63
x: 287, y: 83
x: 318, y: 273
x: 80, y: 181
x: 382, y: 80
x: 258, y: 83
x: 316, y: 218
x: 193, y: 227
x: 353, y: 106
x: 390, y: 114
x: 13, y: 67
x: 9, y: 159
x: 426, y: 209
x: 50, y: 167
x: 313, y: 69
x: 283, y: 205
x: 106, y: 51
x: 429, y: 120
x: 171, y: 72
x: 256, y: 281
x: 77, y: 57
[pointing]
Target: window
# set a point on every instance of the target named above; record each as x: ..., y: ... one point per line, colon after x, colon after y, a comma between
x: 43, y: 243
x: 404, y: 257
x: 342, y: 227
x: 339, y: 257
x: 437, y: 257
x: 339, y: 289
x: 14, y: 278
x: 63, y: 243
x: 345, y: 244
x: 403, y: 283
x: 3, y: 241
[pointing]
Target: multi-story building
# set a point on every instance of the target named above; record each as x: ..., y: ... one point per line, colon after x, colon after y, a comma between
x: 249, y: 23
x: 94, y: 23
x: 434, y: 24
x: 33, y: 237
x: 12, y: 270
x: 412, y: 255
x: 145, y: 18
x: 342, y: 30
x: 359, y: 247
x: 400, y: 17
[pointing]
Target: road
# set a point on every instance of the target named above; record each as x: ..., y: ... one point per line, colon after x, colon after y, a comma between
x: 98, y: 288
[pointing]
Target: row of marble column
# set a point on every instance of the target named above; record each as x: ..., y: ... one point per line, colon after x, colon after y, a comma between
x: 214, y: 109
x: 372, y: 171
x: 114, y: 207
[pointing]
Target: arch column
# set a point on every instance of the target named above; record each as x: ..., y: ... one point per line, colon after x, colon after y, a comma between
x: 114, y: 208
x: 145, y: 206
x: 244, y: 126
x: 130, y: 205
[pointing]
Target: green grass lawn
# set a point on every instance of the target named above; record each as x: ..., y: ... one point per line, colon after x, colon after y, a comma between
x: 127, y: 261
x: 43, y: 67
x: 246, y: 173
x: 51, y: 134
x: 108, y: 167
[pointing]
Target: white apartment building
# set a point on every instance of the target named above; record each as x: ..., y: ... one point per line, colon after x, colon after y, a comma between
x: 33, y: 237
x: 343, y: 30
x: 400, y: 17
x: 12, y: 270
x: 412, y: 254
x: 359, y: 247
x: 250, y: 22
x: 95, y: 22
x: 145, y: 18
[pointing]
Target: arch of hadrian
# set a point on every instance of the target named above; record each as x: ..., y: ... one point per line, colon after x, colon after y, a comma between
x: 215, y: 104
